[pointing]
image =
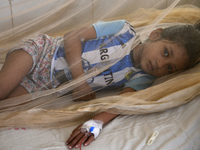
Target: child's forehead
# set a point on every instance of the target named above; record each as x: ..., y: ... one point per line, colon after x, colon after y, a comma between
x: 174, y: 44
x: 176, y: 49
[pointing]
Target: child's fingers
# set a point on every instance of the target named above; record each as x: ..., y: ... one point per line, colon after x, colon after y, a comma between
x: 86, y: 97
x: 75, y: 132
x: 81, y: 141
x: 89, y: 140
x: 93, y: 95
x: 89, y: 96
x: 76, y: 140
x: 80, y: 94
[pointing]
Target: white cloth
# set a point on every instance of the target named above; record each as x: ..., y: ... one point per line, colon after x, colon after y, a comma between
x: 178, y: 130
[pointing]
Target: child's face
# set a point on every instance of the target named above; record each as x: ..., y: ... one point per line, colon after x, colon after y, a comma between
x: 162, y: 57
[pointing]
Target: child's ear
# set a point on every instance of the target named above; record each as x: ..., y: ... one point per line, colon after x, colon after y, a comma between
x: 156, y: 34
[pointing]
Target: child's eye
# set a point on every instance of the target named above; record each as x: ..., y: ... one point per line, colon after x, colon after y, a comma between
x: 166, y: 52
x: 169, y: 68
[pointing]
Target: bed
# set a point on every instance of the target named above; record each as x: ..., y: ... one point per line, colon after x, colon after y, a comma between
x: 178, y: 130
x: 178, y: 127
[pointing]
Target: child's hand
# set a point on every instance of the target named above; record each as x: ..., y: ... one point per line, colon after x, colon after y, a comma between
x: 83, y: 92
x: 77, y: 138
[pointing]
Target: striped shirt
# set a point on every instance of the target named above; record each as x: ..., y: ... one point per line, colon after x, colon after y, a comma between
x: 111, y: 47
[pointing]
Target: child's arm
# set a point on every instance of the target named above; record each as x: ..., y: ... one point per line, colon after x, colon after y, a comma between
x: 77, y: 136
x: 73, y: 48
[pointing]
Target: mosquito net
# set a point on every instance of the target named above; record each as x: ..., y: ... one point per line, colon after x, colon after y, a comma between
x: 55, y: 107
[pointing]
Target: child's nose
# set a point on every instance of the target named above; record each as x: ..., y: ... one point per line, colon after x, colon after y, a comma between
x: 161, y: 63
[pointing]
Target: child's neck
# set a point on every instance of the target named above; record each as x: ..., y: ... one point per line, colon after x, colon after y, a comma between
x: 137, y: 53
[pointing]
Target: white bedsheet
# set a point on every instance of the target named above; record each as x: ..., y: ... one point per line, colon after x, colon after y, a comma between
x: 179, y: 129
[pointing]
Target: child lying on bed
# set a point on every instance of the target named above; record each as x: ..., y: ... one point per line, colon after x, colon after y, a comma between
x: 36, y: 62
x: 166, y: 51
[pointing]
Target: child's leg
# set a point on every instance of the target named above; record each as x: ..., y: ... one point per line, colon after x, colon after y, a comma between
x: 15, y: 68
x: 18, y: 90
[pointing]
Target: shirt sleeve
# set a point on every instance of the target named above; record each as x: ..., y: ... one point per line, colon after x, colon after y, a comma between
x: 140, y: 83
x: 108, y: 28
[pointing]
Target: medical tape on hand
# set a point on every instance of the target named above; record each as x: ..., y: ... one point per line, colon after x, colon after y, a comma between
x: 92, y: 126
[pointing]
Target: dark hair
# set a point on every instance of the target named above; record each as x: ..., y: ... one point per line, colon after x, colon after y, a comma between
x: 188, y: 36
